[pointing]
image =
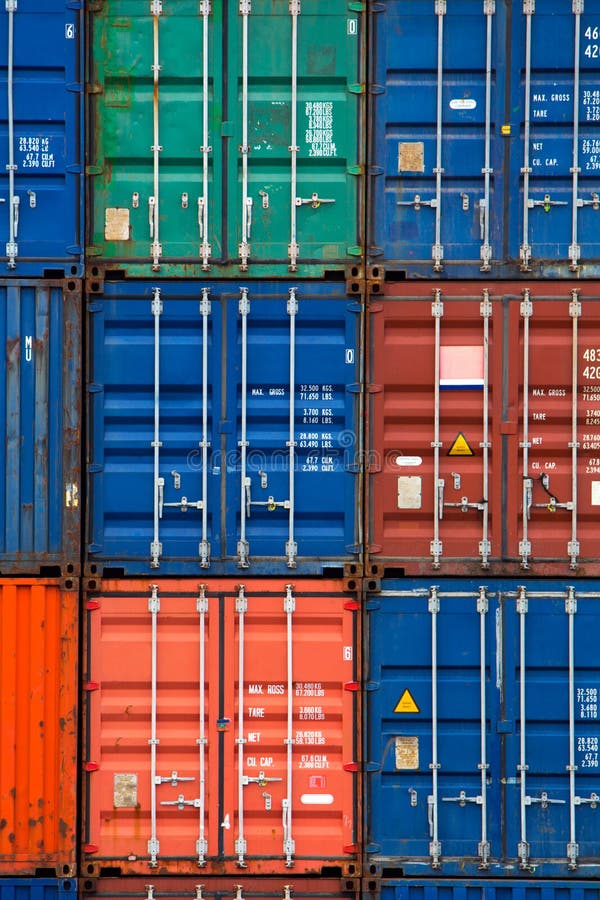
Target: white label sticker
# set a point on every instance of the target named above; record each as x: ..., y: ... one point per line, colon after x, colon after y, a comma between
x: 409, y: 460
x: 463, y: 103
x: 595, y: 493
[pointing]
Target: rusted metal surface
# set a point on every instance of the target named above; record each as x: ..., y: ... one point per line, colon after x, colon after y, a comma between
x: 38, y: 727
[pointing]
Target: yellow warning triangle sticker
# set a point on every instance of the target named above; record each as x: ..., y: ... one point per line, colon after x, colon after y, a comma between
x: 461, y: 446
x: 406, y: 704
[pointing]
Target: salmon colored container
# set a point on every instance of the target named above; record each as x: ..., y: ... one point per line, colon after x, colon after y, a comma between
x: 485, y: 429
x: 38, y: 727
x: 222, y: 728
x: 220, y: 888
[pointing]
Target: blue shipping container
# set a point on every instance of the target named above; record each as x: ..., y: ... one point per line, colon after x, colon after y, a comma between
x: 224, y: 428
x: 482, y: 729
x: 487, y: 889
x: 41, y: 132
x: 40, y: 412
x: 485, y: 141
x: 37, y: 888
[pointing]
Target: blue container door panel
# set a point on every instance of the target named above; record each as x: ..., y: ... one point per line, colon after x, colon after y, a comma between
x: 154, y: 503
x: 293, y: 492
x: 437, y: 195
x: 551, y: 655
x: 40, y: 133
x: 427, y: 750
x: 556, y: 218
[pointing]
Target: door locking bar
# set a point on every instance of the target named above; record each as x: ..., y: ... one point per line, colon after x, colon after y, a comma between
x: 181, y: 802
x: 173, y: 779
x: 464, y: 504
x: 418, y: 202
x: 546, y: 203
x: 184, y: 504
x: 462, y: 799
x: 314, y: 200
x: 544, y: 800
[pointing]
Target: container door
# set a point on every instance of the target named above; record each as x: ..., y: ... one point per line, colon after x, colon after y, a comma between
x: 294, y: 486
x: 154, y: 188
x: 40, y: 115
x: 434, y: 488
x: 434, y: 125
x: 153, y: 786
x: 155, y: 385
x: 552, y: 781
x: 432, y: 715
x: 288, y: 753
x: 555, y: 64
x: 553, y: 466
x: 294, y: 97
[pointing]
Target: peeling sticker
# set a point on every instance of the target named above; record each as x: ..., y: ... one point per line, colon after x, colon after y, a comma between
x: 409, y: 460
x: 116, y: 223
x: 409, y: 492
x: 411, y: 157
x: 407, y: 752
x: 125, y: 790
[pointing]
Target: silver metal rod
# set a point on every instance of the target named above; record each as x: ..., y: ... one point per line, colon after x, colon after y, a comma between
x: 437, y: 249
x: 156, y: 546
x: 11, y: 247
x: 437, y: 311
x: 525, y: 545
x: 435, y: 847
x: 291, y: 547
x: 241, y: 607
x: 489, y: 8
x: 153, y: 608
x: 244, y: 249
x: 204, y: 549
x: 155, y: 249
x: 482, y: 608
x: 205, y: 248
x: 293, y: 249
x: 574, y: 249
x: 573, y: 545
x: 528, y: 9
x: 522, y: 608
x: 243, y: 547
x: 289, y: 847
x: 572, y: 848
x: 202, y: 608
x: 485, y: 548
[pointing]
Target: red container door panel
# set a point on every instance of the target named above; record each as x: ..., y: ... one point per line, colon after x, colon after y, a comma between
x: 434, y: 365
x: 229, y: 758
x: 485, y: 428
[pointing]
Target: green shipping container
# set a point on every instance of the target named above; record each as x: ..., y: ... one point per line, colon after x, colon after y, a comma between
x: 225, y: 137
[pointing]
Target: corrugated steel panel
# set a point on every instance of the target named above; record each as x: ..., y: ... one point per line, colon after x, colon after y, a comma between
x: 246, y: 474
x: 524, y: 889
x: 41, y: 111
x: 247, y: 148
x: 37, y: 888
x: 38, y: 716
x: 40, y: 413
x: 484, y: 428
x: 482, y: 726
x: 483, y: 147
x: 221, y: 728
x: 219, y: 888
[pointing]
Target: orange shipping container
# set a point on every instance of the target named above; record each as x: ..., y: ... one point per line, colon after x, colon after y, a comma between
x: 219, y: 888
x: 222, y: 728
x: 38, y: 727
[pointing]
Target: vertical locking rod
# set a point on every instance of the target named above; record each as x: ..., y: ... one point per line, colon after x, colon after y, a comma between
x: 437, y: 251
x: 13, y: 211
x: 243, y: 547
x: 241, y: 607
x: 202, y: 843
x: 485, y: 547
x: 293, y: 249
x: 572, y: 846
x: 435, y: 847
x: 574, y: 249
x: 289, y: 846
x: 573, y: 545
x: 437, y: 311
x: 291, y: 547
x: 204, y: 548
x: 156, y: 546
x: 153, y: 609
x: 206, y: 149
x: 155, y: 249
x: 524, y: 544
x: 528, y: 10
x: 244, y: 249
x: 522, y: 609
x: 482, y: 609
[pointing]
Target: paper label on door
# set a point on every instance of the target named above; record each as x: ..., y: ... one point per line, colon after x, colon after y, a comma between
x: 411, y: 157
x: 407, y: 752
x: 125, y: 790
x: 116, y: 223
x: 409, y: 492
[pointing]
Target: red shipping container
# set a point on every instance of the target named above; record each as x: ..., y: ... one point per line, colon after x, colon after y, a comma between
x: 38, y: 726
x: 484, y: 432
x: 222, y: 728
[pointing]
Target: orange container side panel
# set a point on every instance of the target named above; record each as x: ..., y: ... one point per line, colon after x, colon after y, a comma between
x: 222, y: 728
x: 484, y: 428
x: 244, y: 887
x: 38, y: 727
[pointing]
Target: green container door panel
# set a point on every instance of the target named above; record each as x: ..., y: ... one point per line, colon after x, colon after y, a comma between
x: 204, y: 198
x: 124, y: 124
x: 325, y: 210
